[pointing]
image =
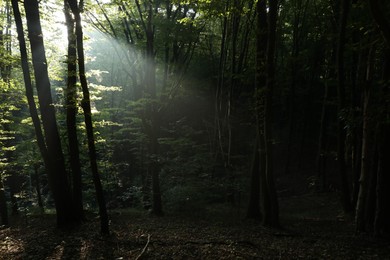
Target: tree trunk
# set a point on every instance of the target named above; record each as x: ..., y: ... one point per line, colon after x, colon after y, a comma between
x: 86, y: 105
x: 299, y: 18
x: 271, y: 214
x: 253, y: 211
x: 382, y: 214
x: 341, y: 132
x: 150, y: 80
x: 28, y: 85
x: 361, y: 204
x: 258, y: 163
x: 71, y: 112
x: 52, y: 153
x: 219, y: 94
x: 322, y: 140
x: 3, y: 205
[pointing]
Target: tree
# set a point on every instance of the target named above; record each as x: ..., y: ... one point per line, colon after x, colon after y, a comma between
x: 271, y: 208
x: 5, y: 82
x: 258, y: 163
x: 345, y: 191
x: 86, y: 106
x: 51, y: 150
x: 3, y: 205
x: 263, y: 154
x: 71, y: 113
x: 371, y: 208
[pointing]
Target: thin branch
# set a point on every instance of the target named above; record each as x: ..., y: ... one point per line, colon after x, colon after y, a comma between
x: 144, y: 249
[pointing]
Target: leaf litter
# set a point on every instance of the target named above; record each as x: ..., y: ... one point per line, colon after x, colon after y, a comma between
x: 313, y: 227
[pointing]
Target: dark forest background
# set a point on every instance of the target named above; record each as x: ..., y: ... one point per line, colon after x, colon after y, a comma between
x: 187, y: 107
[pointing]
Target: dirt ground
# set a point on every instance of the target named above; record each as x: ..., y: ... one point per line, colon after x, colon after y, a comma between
x: 313, y: 228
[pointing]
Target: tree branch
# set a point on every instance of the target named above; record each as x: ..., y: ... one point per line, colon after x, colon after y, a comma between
x: 144, y: 249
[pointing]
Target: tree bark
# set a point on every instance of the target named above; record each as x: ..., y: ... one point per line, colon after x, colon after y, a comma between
x: 258, y: 163
x: 150, y: 84
x: 151, y: 115
x: 367, y: 143
x: 253, y: 211
x: 3, y: 204
x: 28, y: 85
x: 86, y: 106
x: 71, y: 113
x: 381, y: 223
x: 52, y: 152
x: 271, y: 214
x: 341, y: 132
x: 382, y: 214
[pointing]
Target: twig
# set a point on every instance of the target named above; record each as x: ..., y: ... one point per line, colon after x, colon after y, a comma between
x: 144, y: 249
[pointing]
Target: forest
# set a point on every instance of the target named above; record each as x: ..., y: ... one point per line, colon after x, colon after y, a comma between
x: 194, y: 129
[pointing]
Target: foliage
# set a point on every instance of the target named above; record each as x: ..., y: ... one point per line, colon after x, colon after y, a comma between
x: 202, y: 116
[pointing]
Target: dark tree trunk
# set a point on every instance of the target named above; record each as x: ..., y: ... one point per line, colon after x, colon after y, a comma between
x: 150, y: 84
x: 271, y: 213
x: 382, y: 214
x: 150, y: 119
x: 28, y: 85
x: 367, y: 144
x: 382, y: 224
x: 299, y: 18
x: 86, y: 105
x: 71, y: 113
x: 258, y: 163
x: 322, y: 141
x: 52, y: 152
x: 3, y: 205
x: 253, y: 211
x: 341, y: 132
x: 219, y: 94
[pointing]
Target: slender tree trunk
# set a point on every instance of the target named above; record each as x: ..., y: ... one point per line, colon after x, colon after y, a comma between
x: 345, y: 191
x: 299, y: 17
x: 322, y: 140
x: 219, y: 94
x: 271, y: 214
x: 5, y: 73
x: 381, y: 225
x: 86, y: 105
x: 71, y: 112
x: 361, y: 204
x: 364, y: 175
x: 3, y: 205
x: 151, y: 113
x: 258, y: 163
x: 150, y: 80
x: 253, y: 211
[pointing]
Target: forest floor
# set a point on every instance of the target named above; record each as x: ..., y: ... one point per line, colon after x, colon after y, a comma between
x: 313, y: 228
